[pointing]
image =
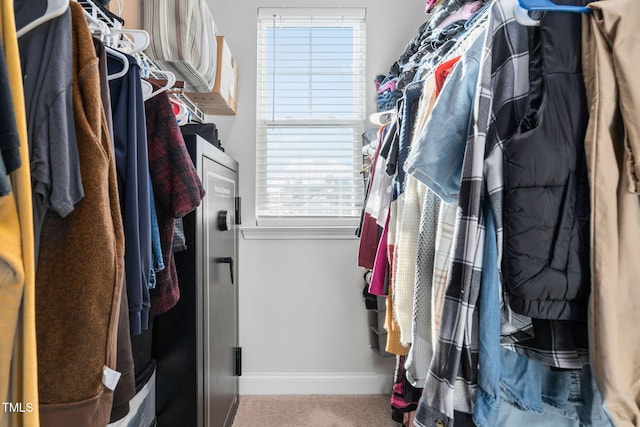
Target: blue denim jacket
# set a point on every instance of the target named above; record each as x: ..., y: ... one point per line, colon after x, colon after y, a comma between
x: 489, y: 362
x: 157, y: 262
x: 436, y: 158
x: 504, y: 375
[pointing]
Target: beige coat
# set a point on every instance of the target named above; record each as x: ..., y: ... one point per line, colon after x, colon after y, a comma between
x: 611, y: 55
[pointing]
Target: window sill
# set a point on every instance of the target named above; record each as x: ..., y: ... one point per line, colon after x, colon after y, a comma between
x: 299, y: 233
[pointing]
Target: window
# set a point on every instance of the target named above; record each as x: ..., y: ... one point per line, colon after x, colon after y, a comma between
x: 310, y: 116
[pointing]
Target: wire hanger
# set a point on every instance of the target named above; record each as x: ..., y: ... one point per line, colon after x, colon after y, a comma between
x: 548, y: 5
x: 54, y: 9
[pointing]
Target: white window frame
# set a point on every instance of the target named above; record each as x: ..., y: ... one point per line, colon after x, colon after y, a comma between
x: 270, y: 17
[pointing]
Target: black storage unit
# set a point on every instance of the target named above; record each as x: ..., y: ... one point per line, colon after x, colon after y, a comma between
x: 195, y: 344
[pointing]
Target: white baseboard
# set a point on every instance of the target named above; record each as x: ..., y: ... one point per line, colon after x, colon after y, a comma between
x: 284, y: 384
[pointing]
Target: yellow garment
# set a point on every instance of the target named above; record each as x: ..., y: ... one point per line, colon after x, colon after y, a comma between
x: 11, y: 290
x: 17, y: 269
x: 393, y: 330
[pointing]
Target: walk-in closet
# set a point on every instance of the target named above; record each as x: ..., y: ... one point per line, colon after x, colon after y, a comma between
x: 349, y: 213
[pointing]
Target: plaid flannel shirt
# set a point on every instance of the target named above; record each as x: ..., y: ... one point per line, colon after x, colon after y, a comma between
x: 177, y: 190
x: 502, y: 92
x: 500, y: 105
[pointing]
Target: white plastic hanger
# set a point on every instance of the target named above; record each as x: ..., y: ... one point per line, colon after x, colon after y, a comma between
x: 183, y: 115
x: 147, y: 89
x: 99, y: 14
x: 98, y: 27
x: 381, y: 118
x: 54, y: 9
x: 131, y: 41
x: 125, y: 63
x: 522, y: 17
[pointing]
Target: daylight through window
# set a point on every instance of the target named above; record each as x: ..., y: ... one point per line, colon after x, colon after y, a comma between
x: 310, y: 116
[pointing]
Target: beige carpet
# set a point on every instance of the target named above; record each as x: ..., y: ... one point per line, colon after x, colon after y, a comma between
x: 314, y: 411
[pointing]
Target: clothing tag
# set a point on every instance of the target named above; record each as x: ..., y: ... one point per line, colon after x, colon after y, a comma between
x: 110, y: 377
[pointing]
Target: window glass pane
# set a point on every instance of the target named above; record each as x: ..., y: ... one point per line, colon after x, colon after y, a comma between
x: 310, y: 117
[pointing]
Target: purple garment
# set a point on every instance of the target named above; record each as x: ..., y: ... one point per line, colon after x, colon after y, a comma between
x: 380, y: 266
x: 368, y: 244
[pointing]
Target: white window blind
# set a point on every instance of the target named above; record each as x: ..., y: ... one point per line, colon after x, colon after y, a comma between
x: 310, y: 116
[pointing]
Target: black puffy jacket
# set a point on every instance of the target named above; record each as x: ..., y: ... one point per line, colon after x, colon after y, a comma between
x: 545, y: 261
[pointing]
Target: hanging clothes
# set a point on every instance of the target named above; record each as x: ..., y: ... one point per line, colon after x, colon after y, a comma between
x: 447, y: 122
x: 402, y: 267
x: 177, y: 189
x: 380, y: 273
x: 462, y: 14
x: 425, y: 50
x: 45, y: 56
x: 379, y: 196
x: 18, y: 356
x: 377, y: 207
x: 421, y: 351
x: 611, y: 58
x: 404, y: 397
x: 80, y: 267
x: 156, y: 246
x: 406, y: 242
x: 565, y: 398
x: 130, y: 139
x: 369, y: 231
x: 9, y: 139
x: 436, y: 157
x: 435, y: 161
x: 126, y: 388
x: 452, y: 41
x: 546, y: 190
x: 501, y: 106
x: 452, y: 379
x: 545, y: 260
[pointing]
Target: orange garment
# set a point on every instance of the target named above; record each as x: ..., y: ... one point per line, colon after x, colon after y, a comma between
x: 442, y: 72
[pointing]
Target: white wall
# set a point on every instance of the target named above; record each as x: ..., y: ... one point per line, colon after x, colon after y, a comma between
x: 303, y: 326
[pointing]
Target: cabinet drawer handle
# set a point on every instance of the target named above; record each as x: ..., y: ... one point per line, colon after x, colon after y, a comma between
x: 226, y: 260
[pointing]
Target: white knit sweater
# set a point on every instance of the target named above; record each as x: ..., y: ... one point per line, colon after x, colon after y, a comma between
x: 409, y: 208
